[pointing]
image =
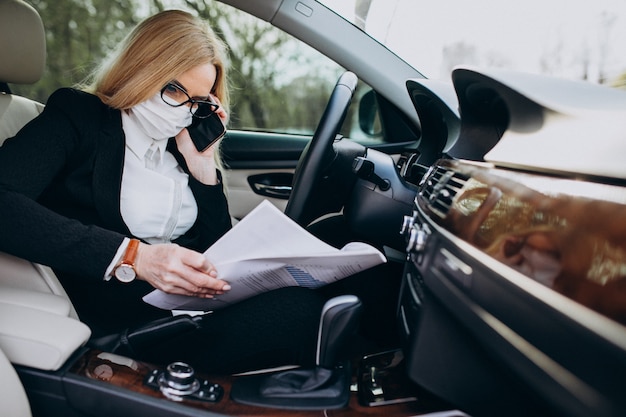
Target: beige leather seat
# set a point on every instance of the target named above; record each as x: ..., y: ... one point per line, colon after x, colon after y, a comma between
x: 22, y: 61
x: 17, y: 66
x: 13, y: 399
x: 39, y: 327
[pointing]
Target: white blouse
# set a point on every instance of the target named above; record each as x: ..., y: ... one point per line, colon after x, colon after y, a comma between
x: 156, y: 203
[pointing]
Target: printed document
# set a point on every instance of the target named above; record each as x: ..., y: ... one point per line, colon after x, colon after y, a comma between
x: 267, y: 250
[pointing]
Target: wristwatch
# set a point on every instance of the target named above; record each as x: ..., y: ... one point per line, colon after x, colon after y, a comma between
x: 125, y: 272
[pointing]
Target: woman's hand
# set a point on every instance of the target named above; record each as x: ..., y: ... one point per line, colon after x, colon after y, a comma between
x: 201, y: 164
x: 220, y: 111
x: 177, y: 270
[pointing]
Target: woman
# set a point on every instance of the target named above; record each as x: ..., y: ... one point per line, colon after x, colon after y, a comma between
x: 106, y: 187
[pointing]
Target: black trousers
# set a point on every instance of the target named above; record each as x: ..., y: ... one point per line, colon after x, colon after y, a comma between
x: 272, y: 329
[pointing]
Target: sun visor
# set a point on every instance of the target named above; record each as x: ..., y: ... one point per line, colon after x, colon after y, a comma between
x: 540, y: 123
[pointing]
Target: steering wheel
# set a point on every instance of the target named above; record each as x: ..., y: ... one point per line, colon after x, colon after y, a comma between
x: 319, y: 151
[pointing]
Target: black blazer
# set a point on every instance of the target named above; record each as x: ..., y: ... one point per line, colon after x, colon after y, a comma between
x: 60, y: 180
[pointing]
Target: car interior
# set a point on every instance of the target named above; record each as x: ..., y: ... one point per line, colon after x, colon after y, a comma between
x: 479, y: 331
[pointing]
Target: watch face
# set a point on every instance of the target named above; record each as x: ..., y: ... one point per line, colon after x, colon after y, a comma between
x: 125, y: 273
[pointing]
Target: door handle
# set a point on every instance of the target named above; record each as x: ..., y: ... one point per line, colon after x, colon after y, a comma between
x: 280, y: 191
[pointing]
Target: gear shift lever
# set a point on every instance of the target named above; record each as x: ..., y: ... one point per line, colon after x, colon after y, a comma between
x: 340, y: 317
x: 327, y: 385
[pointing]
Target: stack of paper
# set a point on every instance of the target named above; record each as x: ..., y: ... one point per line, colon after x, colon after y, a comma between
x: 267, y: 250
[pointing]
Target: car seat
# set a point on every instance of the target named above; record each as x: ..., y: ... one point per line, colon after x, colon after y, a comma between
x: 22, y: 61
x: 12, y: 396
x: 32, y: 300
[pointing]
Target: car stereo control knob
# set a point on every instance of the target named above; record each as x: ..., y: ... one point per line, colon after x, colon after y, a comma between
x: 178, y: 380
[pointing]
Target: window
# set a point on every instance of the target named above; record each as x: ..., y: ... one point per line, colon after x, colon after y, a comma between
x: 280, y: 84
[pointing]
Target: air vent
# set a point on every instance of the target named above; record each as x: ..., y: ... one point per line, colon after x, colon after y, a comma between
x: 440, y: 188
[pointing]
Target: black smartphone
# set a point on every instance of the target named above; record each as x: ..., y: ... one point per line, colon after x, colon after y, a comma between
x: 205, y: 132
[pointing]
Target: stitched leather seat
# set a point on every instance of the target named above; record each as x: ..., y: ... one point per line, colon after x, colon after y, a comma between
x: 22, y: 61
x: 32, y: 296
x: 17, y: 66
x: 13, y: 399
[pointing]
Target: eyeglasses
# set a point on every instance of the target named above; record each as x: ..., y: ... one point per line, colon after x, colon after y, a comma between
x: 175, y: 96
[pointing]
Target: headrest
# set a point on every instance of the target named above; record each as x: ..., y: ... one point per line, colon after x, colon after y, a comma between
x: 22, y: 43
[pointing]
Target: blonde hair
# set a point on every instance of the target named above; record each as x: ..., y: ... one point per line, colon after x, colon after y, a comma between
x: 155, y: 52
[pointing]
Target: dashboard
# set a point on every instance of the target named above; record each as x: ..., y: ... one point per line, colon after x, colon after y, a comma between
x: 513, y: 299
x: 559, y: 232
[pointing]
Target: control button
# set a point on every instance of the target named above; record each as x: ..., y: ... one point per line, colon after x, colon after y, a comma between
x: 178, y: 382
x: 407, y: 224
x: 103, y: 372
x: 417, y: 238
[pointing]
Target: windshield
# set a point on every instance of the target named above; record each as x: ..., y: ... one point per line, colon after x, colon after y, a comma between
x: 565, y: 38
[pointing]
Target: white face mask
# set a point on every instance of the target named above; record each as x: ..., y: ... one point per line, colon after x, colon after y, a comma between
x: 158, y: 119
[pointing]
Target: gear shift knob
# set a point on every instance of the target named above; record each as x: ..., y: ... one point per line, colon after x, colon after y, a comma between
x: 325, y: 387
x: 339, y: 319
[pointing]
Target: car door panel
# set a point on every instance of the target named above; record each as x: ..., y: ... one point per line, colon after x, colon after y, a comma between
x: 259, y: 166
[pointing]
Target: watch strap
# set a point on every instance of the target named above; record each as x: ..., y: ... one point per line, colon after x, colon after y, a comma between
x: 131, y: 252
